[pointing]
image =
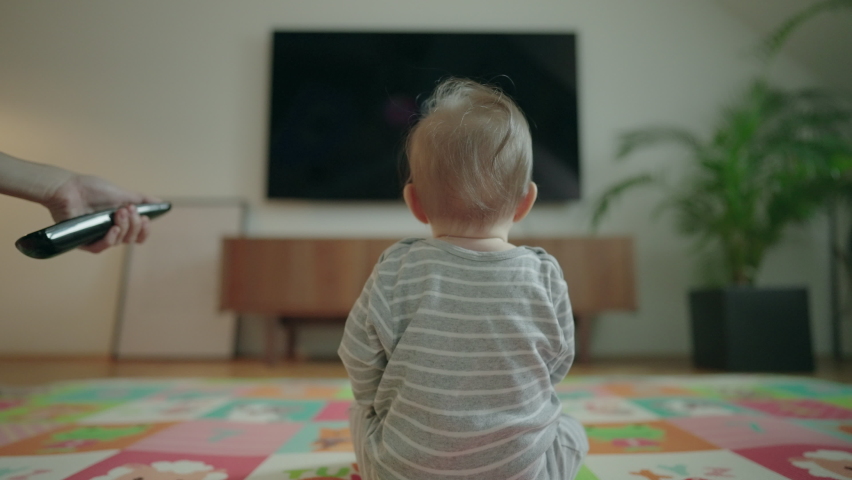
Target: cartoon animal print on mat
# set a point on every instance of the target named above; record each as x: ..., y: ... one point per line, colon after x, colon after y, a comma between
x: 258, y: 412
x: 324, y: 473
x: 307, y: 466
x: 689, y: 407
x: 642, y: 437
x: 13, y: 432
x: 180, y: 470
x: 79, y: 438
x: 628, y: 437
x: 834, y: 464
x: 333, y: 440
x: 83, y: 437
x: 49, y: 467
x: 151, y: 410
x: 132, y: 465
x: 267, y: 411
x: 804, y: 461
x: 706, y: 465
x: 606, y: 409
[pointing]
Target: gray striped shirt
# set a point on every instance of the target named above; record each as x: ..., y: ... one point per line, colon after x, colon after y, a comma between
x: 456, y: 354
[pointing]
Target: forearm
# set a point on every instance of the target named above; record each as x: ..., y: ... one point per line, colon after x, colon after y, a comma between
x: 30, y: 181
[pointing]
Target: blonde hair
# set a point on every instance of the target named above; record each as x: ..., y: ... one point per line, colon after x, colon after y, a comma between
x: 470, y: 155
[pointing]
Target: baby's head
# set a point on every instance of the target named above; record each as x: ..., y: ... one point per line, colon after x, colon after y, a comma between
x: 470, y: 156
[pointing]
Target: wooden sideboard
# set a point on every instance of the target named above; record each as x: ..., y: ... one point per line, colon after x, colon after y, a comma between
x: 301, y: 280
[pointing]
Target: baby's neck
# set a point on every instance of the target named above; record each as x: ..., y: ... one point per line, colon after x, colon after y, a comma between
x: 493, y: 239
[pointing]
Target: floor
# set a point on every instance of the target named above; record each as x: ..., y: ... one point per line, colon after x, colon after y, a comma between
x: 29, y: 371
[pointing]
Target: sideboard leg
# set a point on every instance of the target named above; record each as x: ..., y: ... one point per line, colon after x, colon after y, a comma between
x: 583, y: 327
x: 291, y: 339
x: 271, y: 330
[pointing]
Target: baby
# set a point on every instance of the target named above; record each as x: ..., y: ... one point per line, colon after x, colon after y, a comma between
x: 456, y: 343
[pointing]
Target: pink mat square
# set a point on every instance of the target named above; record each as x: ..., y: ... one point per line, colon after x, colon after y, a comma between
x: 212, y: 437
x: 334, y: 411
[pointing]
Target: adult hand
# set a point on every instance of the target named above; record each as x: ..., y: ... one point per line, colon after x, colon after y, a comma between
x: 82, y: 194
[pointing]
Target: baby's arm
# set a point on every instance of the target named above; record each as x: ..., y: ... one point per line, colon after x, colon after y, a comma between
x: 361, y: 351
x: 562, y: 305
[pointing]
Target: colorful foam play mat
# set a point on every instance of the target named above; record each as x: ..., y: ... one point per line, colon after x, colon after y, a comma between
x: 707, y: 427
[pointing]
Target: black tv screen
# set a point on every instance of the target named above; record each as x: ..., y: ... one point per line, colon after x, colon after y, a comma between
x: 343, y: 102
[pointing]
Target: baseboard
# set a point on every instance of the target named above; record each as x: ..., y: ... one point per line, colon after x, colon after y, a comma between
x: 142, y: 359
x: 53, y: 357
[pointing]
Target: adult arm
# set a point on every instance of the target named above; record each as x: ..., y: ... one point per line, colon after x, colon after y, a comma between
x: 67, y: 194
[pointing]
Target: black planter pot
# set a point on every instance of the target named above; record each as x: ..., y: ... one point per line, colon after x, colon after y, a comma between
x: 748, y: 329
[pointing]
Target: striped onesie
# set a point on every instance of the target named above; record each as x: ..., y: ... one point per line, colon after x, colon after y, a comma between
x: 453, y: 356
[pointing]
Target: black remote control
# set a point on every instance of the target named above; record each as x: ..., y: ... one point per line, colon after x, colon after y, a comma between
x: 78, y: 231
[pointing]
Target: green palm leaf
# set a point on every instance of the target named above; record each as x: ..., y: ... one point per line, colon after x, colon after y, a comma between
x: 773, y: 43
x: 634, y: 140
x: 615, y: 192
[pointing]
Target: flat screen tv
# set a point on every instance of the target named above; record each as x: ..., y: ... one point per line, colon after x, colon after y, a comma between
x: 342, y: 103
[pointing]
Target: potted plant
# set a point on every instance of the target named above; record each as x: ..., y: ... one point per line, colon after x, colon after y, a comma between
x: 841, y: 257
x: 775, y: 158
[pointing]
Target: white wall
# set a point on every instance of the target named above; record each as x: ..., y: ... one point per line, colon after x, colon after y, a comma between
x: 170, y: 97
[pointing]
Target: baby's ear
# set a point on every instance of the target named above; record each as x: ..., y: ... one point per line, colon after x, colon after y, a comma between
x: 409, y: 193
x: 526, y: 203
